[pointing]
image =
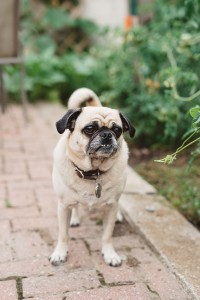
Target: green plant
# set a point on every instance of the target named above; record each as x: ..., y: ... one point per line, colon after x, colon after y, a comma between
x: 145, y: 72
x: 51, y: 37
x: 188, y: 47
x: 193, y: 137
x: 135, y: 71
x: 45, y: 25
x: 163, y: 71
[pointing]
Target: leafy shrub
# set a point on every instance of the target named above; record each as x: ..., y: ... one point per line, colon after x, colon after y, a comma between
x: 50, y: 36
x: 50, y: 76
x: 48, y: 26
x: 147, y: 72
x: 154, y: 72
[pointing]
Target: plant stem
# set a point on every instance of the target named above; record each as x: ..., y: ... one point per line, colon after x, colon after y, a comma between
x: 176, y: 95
x: 170, y: 158
x: 188, y: 139
x: 182, y: 148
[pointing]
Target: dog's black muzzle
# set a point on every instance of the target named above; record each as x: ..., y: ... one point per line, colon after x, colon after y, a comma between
x: 103, y: 141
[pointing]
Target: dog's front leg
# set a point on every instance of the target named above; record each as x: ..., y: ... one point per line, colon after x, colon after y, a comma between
x: 60, y: 253
x: 110, y: 256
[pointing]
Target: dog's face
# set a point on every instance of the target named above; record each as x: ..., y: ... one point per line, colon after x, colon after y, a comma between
x: 95, y: 131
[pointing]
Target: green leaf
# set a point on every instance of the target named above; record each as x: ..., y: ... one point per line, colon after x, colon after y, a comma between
x: 44, y: 43
x: 57, y: 18
x: 195, y: 112
x: 197, y: 122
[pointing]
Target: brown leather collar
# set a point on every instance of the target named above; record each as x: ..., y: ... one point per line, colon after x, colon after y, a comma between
x: 90, y: 175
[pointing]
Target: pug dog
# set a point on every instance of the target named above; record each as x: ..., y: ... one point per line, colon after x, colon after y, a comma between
x: 90, y: 165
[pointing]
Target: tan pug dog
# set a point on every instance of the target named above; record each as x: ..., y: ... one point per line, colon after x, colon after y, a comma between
x: 90, y: 163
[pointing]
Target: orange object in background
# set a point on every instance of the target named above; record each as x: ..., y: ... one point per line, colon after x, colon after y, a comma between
x: 128, y: 22
x: 131, y: 21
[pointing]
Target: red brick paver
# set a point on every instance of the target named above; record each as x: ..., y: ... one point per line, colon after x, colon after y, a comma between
x: 28, y: 229
x: 136, y: 291
x: 8, y: 290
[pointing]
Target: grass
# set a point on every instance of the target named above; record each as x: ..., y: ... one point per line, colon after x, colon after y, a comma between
x: 8, y: 203
x: 178, y: 183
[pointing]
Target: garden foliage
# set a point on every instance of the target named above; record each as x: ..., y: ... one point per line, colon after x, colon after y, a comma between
x: 151, y: 72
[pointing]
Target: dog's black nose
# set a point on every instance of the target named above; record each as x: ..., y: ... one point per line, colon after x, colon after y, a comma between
x: 106, y: 136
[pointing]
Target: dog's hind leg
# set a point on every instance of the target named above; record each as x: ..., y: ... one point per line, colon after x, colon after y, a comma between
x: 74, y: 218
x: 110, y: 256
x: 60, y: 253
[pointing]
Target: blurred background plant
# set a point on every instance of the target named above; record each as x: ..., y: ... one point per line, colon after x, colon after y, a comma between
x: 135, y: 71
x: 151, y: 73
x: 53, y: 39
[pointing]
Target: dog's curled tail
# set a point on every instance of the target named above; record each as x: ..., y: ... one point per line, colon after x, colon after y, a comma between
x: 81, y: 96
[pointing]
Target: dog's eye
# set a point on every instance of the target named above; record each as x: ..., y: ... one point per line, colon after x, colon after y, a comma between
x: 90, y: 129
x: 117, y: 130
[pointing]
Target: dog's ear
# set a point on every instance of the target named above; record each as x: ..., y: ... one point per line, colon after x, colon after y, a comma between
x: 68, y: 120
x: 127, y: 125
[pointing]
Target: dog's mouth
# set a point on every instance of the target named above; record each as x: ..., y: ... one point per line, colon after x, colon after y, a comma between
x: 102, y: 150
x: 102, y: 145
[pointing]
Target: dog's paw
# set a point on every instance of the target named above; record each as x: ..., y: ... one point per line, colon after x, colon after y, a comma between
x: 59, y: 256
x: 74, y: 222
x: 110, y: 256
x: 119, y: 218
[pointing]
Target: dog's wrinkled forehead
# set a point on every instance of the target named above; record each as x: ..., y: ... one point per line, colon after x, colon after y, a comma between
x: 103, y: 116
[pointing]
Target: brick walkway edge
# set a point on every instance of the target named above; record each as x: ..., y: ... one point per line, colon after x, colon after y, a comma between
x: 28, y: 229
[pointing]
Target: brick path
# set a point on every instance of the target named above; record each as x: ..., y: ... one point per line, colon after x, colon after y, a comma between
x: 28, y: 228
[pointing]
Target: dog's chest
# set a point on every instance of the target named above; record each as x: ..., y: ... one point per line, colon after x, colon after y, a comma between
x: 86, y: 192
